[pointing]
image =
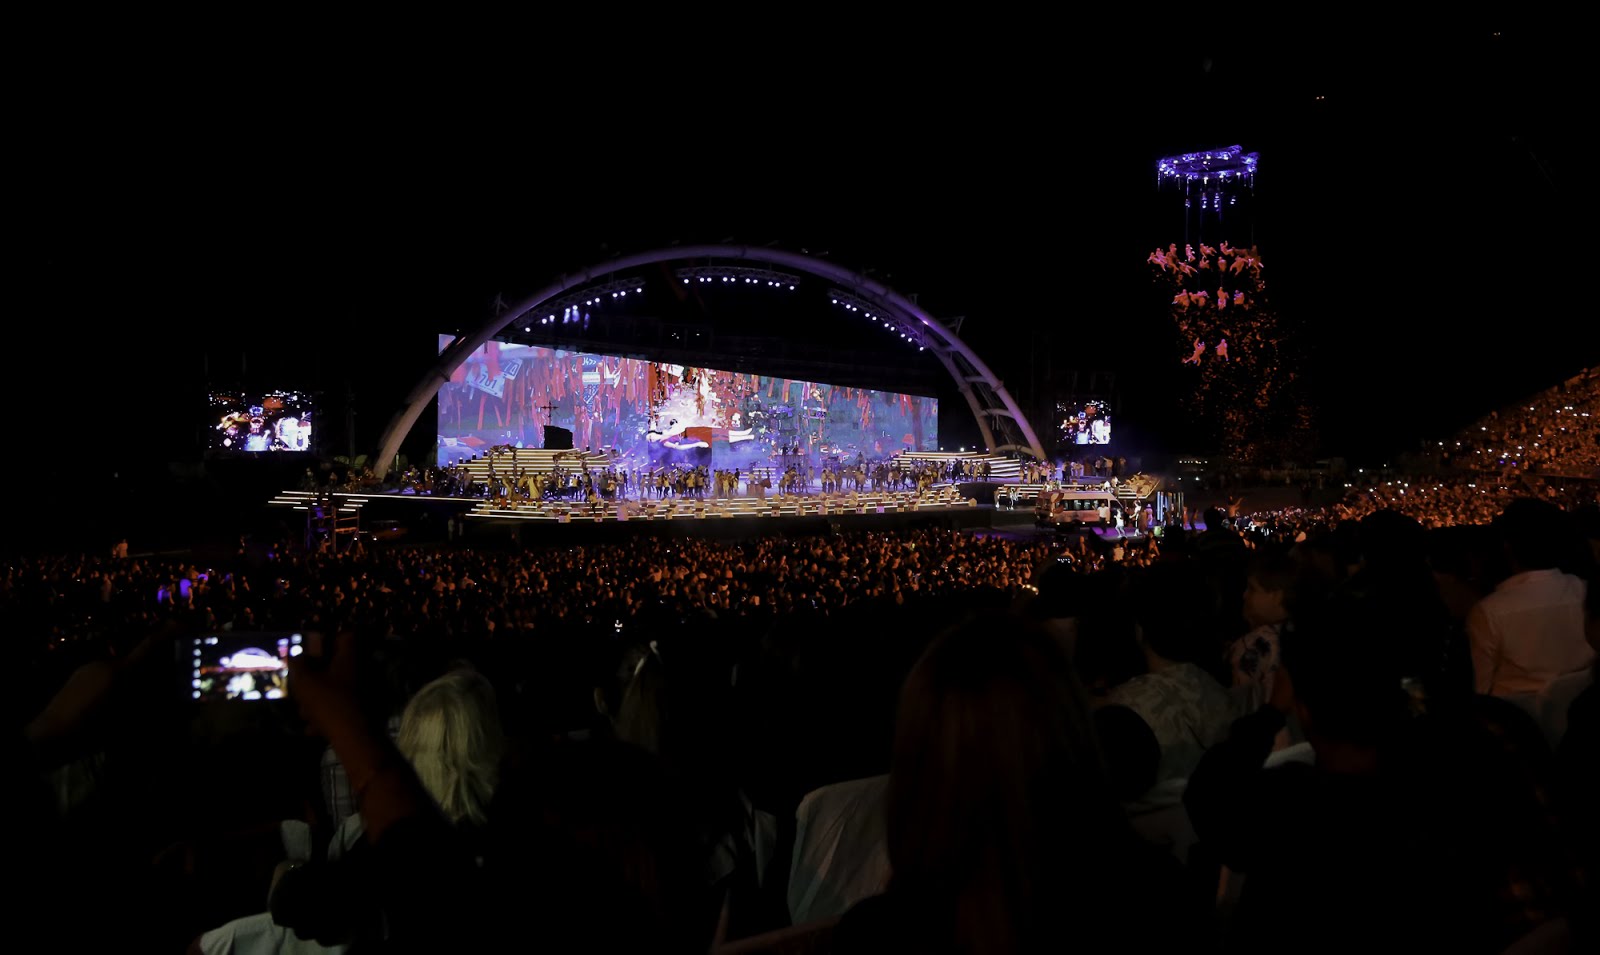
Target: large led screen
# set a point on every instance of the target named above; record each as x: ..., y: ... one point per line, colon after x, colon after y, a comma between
x: 657, y: 413
x: 272, y: 421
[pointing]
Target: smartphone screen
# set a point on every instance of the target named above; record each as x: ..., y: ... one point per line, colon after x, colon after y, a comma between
x: 242, y: 666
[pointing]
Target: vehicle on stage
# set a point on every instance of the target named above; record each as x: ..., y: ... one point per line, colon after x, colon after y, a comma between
x: 1067, y: 508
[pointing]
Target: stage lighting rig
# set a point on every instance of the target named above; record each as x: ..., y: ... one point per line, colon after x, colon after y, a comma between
x: 726, y: 275
x: 1212, y: 183
x: 1227, y: 164
x: 591, y: 296
x: 913, y: 333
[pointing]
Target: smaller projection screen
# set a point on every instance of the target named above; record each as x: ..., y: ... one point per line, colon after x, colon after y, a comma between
x: 1083, y: 422
x: 270, y: 421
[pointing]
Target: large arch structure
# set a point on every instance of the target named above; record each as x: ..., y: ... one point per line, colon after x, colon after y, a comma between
x: 1000, y: 421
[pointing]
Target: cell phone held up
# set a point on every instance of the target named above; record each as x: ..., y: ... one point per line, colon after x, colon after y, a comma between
x: 243, y: 667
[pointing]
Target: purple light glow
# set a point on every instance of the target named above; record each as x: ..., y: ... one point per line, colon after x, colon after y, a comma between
x: 1222, y: 163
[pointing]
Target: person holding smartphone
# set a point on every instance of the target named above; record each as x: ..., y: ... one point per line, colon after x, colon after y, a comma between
x: 394, y: 869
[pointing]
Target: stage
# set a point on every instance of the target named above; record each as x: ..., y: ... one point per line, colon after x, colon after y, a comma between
x: 422, y: 517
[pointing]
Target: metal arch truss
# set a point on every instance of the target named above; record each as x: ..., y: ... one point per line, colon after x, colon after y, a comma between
x: 1000, y: 420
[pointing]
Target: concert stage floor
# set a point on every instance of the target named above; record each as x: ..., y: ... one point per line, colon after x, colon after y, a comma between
x: 426, y: 517
x: 723, y: 528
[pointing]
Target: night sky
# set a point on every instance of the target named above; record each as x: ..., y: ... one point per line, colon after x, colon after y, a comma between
x: 1420, y: 220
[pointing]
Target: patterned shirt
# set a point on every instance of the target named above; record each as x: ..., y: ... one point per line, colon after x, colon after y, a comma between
x: 1254, y: 660
x: 1186, y: 709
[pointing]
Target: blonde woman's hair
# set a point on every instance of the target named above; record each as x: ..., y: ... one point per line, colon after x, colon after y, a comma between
x: 450, y: 733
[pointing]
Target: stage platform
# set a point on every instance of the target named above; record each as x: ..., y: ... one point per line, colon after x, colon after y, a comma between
x: 491, y: 530
x: 562, y: 521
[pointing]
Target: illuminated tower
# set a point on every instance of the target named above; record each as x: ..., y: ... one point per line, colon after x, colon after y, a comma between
x: 1218, y: 188
x: 1241, y: 364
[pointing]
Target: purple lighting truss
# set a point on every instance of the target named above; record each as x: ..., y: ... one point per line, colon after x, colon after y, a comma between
x: 1226, y: 164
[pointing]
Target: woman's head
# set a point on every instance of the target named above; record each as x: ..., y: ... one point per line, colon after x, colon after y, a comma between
x: 634, y: 699
x: 450, y: 732
x: 1538, y: 535
x: 1269, y: 581
x: 996, y: 777
x: 601, y: 835
x: 1345, y: 692
x: 1175, y: 607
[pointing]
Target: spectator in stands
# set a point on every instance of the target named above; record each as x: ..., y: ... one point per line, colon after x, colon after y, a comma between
x: 594, y: 848
x: 634, y: 701
x: 1531, y: 629
x: 635, y: 823
x: 1460, y: 558
x: 54, y: 883
x: 841, y: 849
x: 450, y: 735
x: 1578, y: 765
x: 1397, y: 831
x: 997, y: 795
x: 1395, y: 574
x: 1183, y: 704
x: 679, y: 717
x: 1554, y: 432
x: 1254, y: 656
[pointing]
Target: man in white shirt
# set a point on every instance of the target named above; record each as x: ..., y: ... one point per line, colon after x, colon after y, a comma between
x: 1531, y: 629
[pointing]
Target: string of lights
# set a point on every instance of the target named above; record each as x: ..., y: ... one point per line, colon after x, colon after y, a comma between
x: 569, y: 315
x: 1212, y: 183
x: 1230, y: 162
x: 573, y: 307
x: 737, y: 275
x: 909, y: 333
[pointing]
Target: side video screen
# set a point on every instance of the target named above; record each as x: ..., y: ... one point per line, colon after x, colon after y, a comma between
x: 272, y: 421
x: 1083, y: 422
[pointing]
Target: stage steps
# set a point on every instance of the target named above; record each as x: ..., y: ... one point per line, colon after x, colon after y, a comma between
x: 302, y: 500
x: 1003, y: 468
x: 533, y: 461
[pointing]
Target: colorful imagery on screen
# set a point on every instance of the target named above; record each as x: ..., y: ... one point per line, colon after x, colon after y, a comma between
x: 653, y: 414
x: 274, y: 421
x: 243, y: 666
x: 1083, y: 422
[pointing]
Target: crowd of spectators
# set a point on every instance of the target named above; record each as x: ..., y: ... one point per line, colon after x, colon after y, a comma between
x: 1372, y: 723
x: 1431, y: 500
x: 1556, y: 432
x: 408, y: 591
x: 641, y: 746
